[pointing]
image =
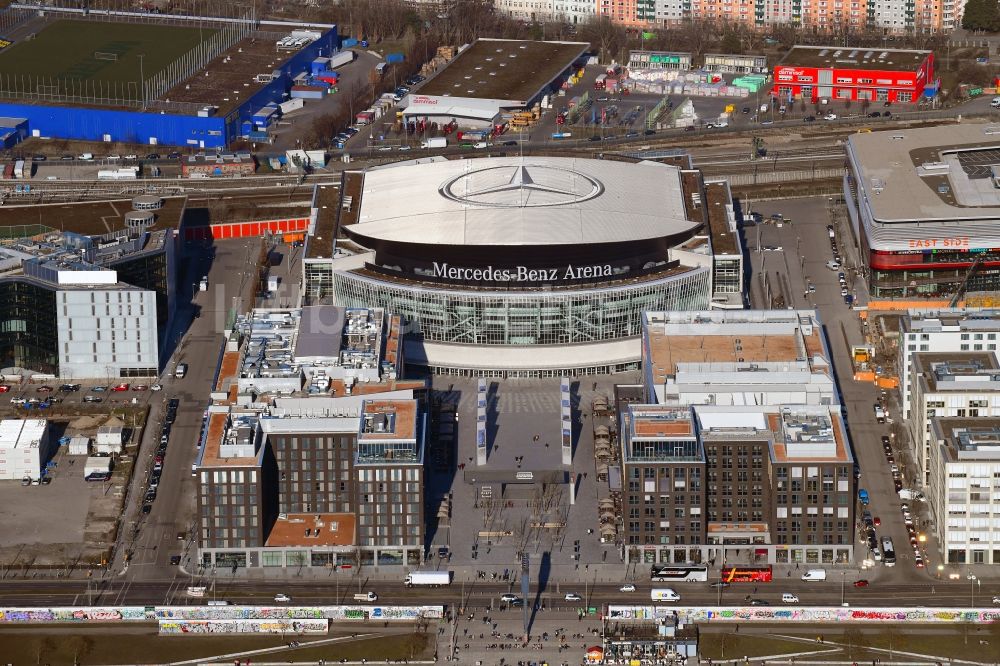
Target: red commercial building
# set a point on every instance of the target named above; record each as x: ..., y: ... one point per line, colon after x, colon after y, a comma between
x: 814, y: 73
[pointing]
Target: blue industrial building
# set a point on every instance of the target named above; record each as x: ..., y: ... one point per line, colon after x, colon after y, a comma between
x: 155, y: 127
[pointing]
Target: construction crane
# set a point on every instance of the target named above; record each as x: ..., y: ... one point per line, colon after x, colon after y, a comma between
x: 965, y: 283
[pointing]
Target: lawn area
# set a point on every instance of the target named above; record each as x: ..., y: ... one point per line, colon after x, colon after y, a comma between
x: 102, y: 645
x: 727, y: 645
x: 71, y: 50
x: 396, y: 647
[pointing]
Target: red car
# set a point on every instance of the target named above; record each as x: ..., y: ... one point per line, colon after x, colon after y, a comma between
x: 4, y: 388
x: 877, y: 521
x: 120, y: 388
x: 861, y: 583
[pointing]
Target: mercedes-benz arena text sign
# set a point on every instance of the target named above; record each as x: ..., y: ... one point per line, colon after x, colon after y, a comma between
x: 520, y: 273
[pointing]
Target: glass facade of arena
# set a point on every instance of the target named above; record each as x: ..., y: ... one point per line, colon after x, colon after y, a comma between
x: 555, y: 317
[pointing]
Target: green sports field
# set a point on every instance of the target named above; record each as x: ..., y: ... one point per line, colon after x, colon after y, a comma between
x: 65, y: 51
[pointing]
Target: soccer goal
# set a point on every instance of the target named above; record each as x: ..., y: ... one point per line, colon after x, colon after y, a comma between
x: 104, y: 55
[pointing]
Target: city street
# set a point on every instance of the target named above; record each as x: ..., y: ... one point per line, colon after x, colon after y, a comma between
x: 799, y: 255
x: 323, y: 589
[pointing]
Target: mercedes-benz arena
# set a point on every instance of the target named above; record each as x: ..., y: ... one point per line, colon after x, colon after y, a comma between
x: 925, y: 207
x: 520, y: 266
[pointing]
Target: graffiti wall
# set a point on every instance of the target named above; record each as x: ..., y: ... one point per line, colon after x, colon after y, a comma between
x: 333, y: 613
x: 807, y: 614
x: 226, y: 613
x: 84, y: 614
x: 175, y: 627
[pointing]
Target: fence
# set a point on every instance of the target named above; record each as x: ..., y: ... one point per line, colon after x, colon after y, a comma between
x: 18, y: 231
x: 129, y: 94
x: 196, y: 59
x: 762, y: 177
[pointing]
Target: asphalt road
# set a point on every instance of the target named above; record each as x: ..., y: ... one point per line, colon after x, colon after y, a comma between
x: 833, y: 592
x: 201, y: 319
x: 798, y: 255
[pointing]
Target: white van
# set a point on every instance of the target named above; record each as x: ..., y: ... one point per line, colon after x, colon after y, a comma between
x: 665, y: 594
x: 789, y: 598
x: 814, y: 575
x: 995, y: 103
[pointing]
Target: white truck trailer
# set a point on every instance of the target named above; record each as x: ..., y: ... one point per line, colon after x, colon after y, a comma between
x: 427, y: 579
x: 340, y: 59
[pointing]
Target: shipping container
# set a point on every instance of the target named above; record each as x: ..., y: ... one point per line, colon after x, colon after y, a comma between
x: 307, y: 92
x: 291, y: 105
x: 341, y: 59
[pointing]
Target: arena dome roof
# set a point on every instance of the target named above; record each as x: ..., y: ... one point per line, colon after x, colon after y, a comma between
x: 527, y: 201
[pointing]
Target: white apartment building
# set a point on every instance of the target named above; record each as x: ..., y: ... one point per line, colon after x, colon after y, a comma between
x: 25, y: 448
x: 947, y: 330
x: 570, y: 11
x: 964, y: 492
x: 956, y: 384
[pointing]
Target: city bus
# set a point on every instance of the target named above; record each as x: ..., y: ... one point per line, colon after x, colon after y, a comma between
x: 746, y: 575
x: 684, y: 573
x: 888, y: 552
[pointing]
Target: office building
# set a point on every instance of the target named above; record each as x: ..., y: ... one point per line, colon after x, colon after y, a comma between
x: 943, y: 330
x: 956, y: 384
x: 26, y: 445
x: 738, y: 484
x: 740, y: 453
x: 961, y: 495
x: 92, y: 299
x: 312, y: 453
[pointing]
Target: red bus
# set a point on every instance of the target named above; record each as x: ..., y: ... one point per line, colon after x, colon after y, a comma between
x: 746, y: 574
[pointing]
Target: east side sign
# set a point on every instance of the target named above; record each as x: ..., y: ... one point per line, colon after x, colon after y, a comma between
x: 520, y: 273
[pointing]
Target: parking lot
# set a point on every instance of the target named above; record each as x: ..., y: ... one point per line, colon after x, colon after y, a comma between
x: 68, y: 520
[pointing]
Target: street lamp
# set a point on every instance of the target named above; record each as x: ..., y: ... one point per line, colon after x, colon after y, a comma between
x: 973, y: 580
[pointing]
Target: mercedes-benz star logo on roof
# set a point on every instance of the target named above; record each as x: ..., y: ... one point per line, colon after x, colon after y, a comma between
x: 521, y: 186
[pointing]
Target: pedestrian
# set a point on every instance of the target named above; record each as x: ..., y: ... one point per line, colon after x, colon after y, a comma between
x: 737, y: 629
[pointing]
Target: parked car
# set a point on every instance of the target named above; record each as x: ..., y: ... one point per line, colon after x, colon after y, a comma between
x: 628, y: 587
x: 572, y: 596
x: 120, y: 387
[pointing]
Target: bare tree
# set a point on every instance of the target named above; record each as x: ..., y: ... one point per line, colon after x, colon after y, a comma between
x: 604, y: 36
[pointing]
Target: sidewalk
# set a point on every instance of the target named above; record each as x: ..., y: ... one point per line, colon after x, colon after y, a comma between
x: 558, y: 637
